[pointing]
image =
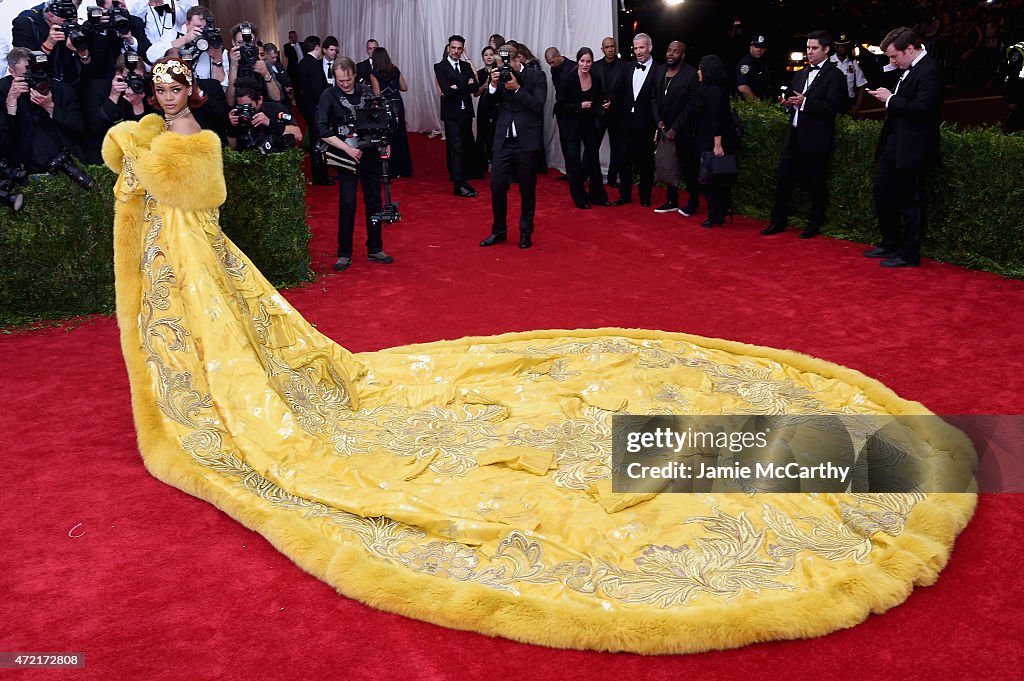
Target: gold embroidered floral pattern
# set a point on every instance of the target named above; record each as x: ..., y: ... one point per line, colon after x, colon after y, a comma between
x: 582, y: 447
x: 448, y: 437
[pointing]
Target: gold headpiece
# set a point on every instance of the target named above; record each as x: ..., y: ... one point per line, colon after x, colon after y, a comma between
x: 162, y: 72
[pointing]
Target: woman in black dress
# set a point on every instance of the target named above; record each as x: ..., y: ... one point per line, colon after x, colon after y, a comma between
x: 581, y: 101
x: 388, y: 81
x: 714, y: 132
x: 487, y: 107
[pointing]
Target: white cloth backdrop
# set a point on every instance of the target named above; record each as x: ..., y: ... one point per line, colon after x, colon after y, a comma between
x: 414, y: 33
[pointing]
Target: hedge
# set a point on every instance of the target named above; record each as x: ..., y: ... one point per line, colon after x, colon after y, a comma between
x: 975, y: 204
x: 56, y: 254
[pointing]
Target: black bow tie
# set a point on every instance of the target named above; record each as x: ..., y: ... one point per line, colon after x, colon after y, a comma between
x: 815, y: 68
x: 162, y: 9
x: 641, y: 66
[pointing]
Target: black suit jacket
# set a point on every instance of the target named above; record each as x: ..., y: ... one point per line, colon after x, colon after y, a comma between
x: 29, y: 30
x: 525, y: 107
x: 613, y: 76
x: 33, y: 137
x: 826, y: 97
x: 638, y: 110
x: 310, y: 85
x: 670, y: 105
x: 573, y: 119
x: 363, y: 71
x: 911, y: 129
x: 460, y: 98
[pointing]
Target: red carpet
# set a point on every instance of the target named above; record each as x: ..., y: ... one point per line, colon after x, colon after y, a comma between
x: 164, y: 586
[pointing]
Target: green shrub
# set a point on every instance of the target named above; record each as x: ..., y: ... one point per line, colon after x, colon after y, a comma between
x: 975, y: 206
x: 56, y: 254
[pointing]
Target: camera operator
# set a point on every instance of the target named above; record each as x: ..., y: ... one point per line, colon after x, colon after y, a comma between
x: 259, y: 124
x: 335, y: 122
x: 164, y: 23
x: 200, y: 31
x: 246, y: 63
x: 43, y: 29
x: 39, y: 121
x: 212, y: 114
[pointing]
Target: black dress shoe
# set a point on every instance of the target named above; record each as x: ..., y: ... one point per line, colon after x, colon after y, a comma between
x: 773, y: 229
x: 810, y: 233
x: 879, y: 252
x: 898, y: 261
x: 622, y: 201
x: 562, y: 178
x: 645, y: 204
x: 465, y: 191
x: 710, y: 223
x: 525, y: 241
x: 605, y: 203
x: 583, y: 206
x: 494, y: 239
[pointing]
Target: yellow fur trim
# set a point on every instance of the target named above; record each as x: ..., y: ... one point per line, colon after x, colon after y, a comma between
x: 184, y: 171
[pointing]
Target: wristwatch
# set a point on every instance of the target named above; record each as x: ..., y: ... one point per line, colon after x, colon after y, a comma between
x: 218, y: 64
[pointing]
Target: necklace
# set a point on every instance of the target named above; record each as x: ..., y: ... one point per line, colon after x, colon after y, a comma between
x: 184, y: 113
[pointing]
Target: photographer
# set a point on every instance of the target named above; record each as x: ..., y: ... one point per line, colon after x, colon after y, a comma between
x: 124, y: 100
x: 42, y: 29
x: 41, y: 121
x: 335, y: 123
x: 112, y: 31
x: 200, y: 31
x: 246, y: 63
x: 273, y: 59
x: 259, y: 124
x: 164, y: 22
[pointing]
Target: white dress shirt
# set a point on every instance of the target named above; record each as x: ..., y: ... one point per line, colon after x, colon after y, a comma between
x: 640, y: 76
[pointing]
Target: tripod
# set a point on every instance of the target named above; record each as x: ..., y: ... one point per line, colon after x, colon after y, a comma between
x: 389, y: 213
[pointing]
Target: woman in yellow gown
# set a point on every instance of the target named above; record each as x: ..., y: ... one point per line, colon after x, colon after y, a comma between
x: 467, y: 482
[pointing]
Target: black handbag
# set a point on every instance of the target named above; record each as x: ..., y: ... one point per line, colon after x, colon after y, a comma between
x: 711, y: 165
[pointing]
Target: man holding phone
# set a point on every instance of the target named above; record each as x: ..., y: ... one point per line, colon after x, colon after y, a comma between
x: 907, y: 148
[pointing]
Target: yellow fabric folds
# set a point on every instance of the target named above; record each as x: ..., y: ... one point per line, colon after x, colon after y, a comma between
x: 467, y: 482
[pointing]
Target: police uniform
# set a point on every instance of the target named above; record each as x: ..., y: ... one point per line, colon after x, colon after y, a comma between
x: 754, y: 72
x: 855, y: 77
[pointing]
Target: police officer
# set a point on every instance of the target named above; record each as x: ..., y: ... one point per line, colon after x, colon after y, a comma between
x: 1014, y: 67
x: 848, y: 66
x: 753, y: 80
x: 337, y: 108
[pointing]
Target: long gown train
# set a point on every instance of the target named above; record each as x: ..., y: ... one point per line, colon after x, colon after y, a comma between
x: 467, y: 482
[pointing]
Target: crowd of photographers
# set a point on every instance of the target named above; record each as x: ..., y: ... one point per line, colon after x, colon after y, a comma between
x: 69, y: 80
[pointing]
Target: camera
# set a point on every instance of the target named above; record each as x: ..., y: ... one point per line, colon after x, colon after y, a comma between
x: 245, y: 113
x: 63, y: 162
x: 188, y: 52
x: 273, y: 144
x: 134, y: 72
x: 65, y: 9
x: 785, y: 92
x: 248, y: 51
x: 505, y: 70
x: 11, y: 176
x: 36, y: 76
x: 375, y: 119
x: 207, y: 38
x: 118, y: 18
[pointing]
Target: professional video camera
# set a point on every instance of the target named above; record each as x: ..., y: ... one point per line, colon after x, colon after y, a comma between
x: 64, y: 163
x: 10, y: 177
x: 134, y: 72
x: 375, y: 119
x: 117, y: 18
x: 505, y: 69
x: 35, y: 75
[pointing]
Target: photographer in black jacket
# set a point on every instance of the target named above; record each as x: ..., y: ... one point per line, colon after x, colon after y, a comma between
x: 42, y: 30
x: 258, y: 123
x: 125, y: 100
x: 39, y: 122
x: 335, y: 125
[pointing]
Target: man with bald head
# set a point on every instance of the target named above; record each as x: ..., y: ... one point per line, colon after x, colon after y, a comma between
x: 639, y: 125
x: 612, y: 71
x: 675, y: 86
x: 558, y: 64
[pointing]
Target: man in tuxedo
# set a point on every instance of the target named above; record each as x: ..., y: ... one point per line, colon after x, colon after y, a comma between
x: 293, y: 54
x: 675, y: 85
x: 311, y: 83
x: 638, y: 125
x: 818, y: 93
x: 612, y: 73
x: 457, y: 83
x: 518, y: 139
x: 365, y: 67
x: 908, y: 146
x: 329, y: 47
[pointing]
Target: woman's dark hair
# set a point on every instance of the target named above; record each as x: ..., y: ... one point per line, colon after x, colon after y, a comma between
x: 382, y: 62
x: 584, y: 50
x: 497, y: 39
x: 712, y: 69
x: 195, y: 100
x: 524, y: 52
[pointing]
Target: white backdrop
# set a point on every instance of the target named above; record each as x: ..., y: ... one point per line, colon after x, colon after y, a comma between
x: 414, y: 33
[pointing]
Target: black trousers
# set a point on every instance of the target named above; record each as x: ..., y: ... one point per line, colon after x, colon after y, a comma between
x: 900, y: 202
x: 458, y: 135
x: 688, y: 166
x: 582, y: 149
x: 795, y: 165
x: 317, y: 168
x: 614, y: 129
x: 369, y: 177
x: 511, y: 160
x: 637, y: 156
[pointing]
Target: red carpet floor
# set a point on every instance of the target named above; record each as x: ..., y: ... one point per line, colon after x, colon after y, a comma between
x: 158, y: 585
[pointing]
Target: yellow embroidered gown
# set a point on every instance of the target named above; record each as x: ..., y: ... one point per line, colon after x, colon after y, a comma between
x: 467, y: 482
